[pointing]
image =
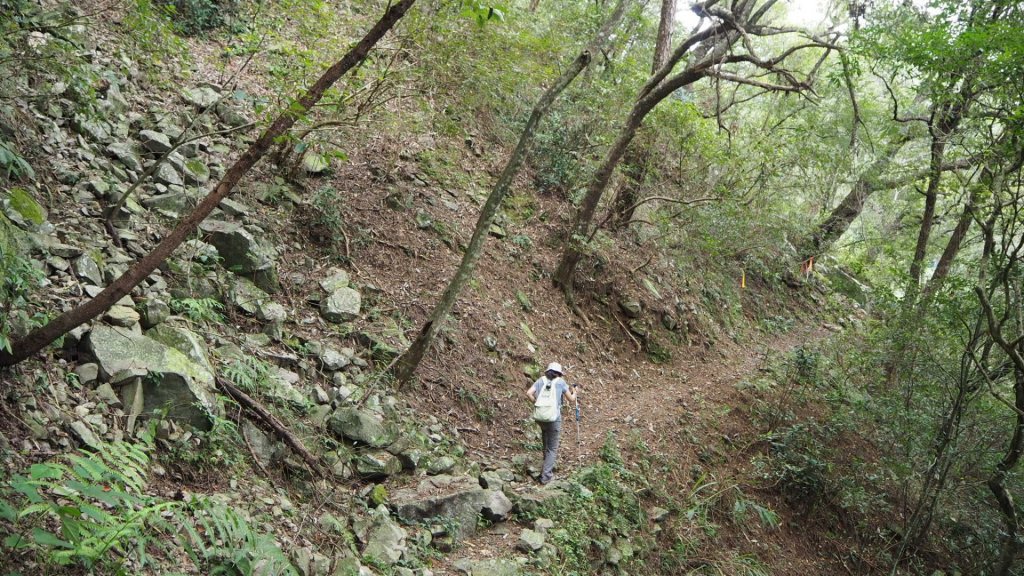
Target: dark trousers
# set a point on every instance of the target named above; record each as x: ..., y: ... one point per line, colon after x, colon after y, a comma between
x: 550, y: 432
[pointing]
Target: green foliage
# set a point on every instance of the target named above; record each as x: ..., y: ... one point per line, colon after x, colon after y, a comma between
x: 249, y: 373
x: 200, y: 310
x: 18, y: 280
x: 12, y: 165
x: 90, y: 510
x: 193, y: 17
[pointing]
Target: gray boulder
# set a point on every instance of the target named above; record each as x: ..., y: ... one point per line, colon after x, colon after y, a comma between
x: 242, y: 253
x: 341, y: 306
x: 87, y: 269
x: 491, y: 567
x: 530, y: 541
x: 378, y: 464
x: 201, y: 96
x: 125, y: 155
x: 335, y: 280
x: 458, y: 498
x: 172, y: 381
x: 183, y: 340
x: 360, y: 426
x: 154, y: 312
x: 155, y: 142
x: 166, y: 174
x: 631, y: 308
x: 383, y: 539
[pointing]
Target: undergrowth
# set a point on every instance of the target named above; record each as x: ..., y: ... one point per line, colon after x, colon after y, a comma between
x: 91, y: 511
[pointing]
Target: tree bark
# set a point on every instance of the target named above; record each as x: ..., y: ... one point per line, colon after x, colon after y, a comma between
x: 41, y: 337
x: 663, y: 45
x: 406, y: 365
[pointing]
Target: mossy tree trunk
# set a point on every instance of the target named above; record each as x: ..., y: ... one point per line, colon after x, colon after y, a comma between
x: 406, y: 365
x: 43, y: 336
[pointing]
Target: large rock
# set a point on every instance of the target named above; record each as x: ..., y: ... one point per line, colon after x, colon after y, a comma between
x: 242, y: 253
x: 458, y: 498
x: 201, y: 96
x: 252, y: 300
x: 126, y: 155
x: 360, y: 426
x: 341, y: 306
x: 172, y: 382
x: 155, y: 142
x: 490, y: 567
x: 383, y: 539
x: 378, y: 464
x: 183, y: 340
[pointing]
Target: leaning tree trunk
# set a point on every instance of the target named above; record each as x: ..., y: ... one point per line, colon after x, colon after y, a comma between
x: 406, y: 365
x: 850, y: 207
x: 41, y: 337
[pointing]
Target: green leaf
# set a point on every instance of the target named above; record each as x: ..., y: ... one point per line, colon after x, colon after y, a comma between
x: 8, y: 512
x: 48, y: 539
x: 15, y: 542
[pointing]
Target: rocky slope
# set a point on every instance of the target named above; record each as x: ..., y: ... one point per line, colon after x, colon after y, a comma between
x: 274, y: 298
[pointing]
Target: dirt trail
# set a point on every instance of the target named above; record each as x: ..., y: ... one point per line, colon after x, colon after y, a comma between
x: 663, y: 403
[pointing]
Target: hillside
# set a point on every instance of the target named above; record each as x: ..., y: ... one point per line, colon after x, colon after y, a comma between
x: 747, y: 407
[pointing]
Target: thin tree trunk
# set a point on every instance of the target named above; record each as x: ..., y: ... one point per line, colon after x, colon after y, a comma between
x: 41, y: 337
x: 406, y: 366
x: 663, y: 45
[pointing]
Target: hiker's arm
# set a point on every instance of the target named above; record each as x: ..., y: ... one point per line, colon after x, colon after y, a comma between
x: 570, y: 392
x: 530, y: 392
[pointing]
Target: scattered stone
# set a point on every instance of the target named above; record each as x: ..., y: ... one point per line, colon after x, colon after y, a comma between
x: 631, y: 308
x: 124, y: 154
x: 88, y: 373
x: 174, y: 383
x: 359, y: 426
x: 497, y: 231
x: 196, y: 173
x: 267, y: 452
x: 183, y: 340
x: 530, y: 541
x: 201, y: 96
x: 658, y: 514
x: 383, y: 538
x: 334, y: 360
x: 491, y: 342
x: 423, y: 220
x: 378, y: 464
x: 85, y: 435
x: 87, y: 269
x: 105, y: 392
x: 155, y: 142
x: 167, y: 175
x: 154, y: 312
x: 542, y: 525
x: 342, y: 305
x: 442, y: 465
x: 242, y: 253
x: 122, y: 316
x: 458, y: 498
x: 336, y: 280
x: 493, y: 567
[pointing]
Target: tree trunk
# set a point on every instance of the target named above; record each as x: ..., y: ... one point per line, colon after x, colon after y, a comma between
x: 833, y: 227
x: 406, y: 366
x: 663, y: 45
x: 41, y: 337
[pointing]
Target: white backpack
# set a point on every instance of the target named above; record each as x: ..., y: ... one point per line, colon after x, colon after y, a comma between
x: 546, y: 406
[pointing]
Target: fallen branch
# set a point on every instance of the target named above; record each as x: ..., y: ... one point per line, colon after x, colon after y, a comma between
x: 269, y: 420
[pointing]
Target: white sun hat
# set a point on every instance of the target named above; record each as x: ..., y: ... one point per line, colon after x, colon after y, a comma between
x: 555, y: 367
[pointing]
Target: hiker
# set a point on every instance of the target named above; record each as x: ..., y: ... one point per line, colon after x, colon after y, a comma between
x: 546, y: 394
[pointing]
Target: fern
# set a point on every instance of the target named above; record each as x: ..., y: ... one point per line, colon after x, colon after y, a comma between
x: 200, y: 310
x: 105, y: 521
x: 248, y: 373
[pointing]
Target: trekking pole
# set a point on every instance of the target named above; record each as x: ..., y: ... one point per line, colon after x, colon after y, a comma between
x: 579, y: 442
